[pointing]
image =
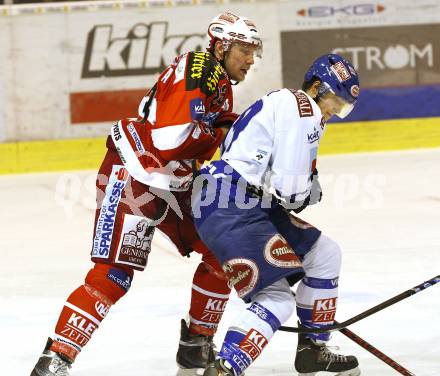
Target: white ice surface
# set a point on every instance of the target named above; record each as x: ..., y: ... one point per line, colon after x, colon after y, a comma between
x: 382, y: 208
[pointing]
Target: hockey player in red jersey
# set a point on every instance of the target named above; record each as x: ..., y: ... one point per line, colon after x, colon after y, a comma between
x: 143, y: 184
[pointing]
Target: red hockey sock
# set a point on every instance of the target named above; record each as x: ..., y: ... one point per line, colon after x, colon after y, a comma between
x: 210, y: 293
x: 81, y: 315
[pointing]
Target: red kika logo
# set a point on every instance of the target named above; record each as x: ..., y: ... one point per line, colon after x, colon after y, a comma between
x: 324, y: 310
x: 253, y: 344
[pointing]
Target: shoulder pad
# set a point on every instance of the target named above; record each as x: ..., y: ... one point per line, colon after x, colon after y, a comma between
x: 203, y: 71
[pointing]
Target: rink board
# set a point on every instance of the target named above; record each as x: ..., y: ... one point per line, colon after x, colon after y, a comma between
x: 105, y: 55
x: 87, y: 153
x: 91, y: 80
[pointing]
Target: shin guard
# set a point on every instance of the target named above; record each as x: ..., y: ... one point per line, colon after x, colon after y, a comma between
x: 254, y: 328
x: 317, y: 293
x: 209, y: 296
x: 87, y: 306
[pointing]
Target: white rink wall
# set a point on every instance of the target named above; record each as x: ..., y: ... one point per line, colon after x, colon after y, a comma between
x: 48, y: 57
x: 53, y: 55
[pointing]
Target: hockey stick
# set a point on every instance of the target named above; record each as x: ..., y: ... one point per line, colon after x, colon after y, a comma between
x: 369, y: 312
x: 376, y: 352
x: 373, y: 350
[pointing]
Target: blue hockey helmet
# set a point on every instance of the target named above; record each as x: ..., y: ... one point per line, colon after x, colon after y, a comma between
x: 338, y: 76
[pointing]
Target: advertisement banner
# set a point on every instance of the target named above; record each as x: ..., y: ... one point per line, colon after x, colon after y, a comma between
x: 121, y: 58
x: 337, y: 14
x: 69, y: 70
x: 88, y: 66
x: 399, y: 66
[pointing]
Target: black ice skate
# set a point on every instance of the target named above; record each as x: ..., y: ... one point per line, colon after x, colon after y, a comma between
x: 312, y: 358
x: 195, y: 352
x: 219, y: 368
x: 51, y: 363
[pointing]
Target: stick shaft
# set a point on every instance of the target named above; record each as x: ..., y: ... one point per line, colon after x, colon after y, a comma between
x: 368, y: 312
x: 393, y: 300
x: 376, y: 352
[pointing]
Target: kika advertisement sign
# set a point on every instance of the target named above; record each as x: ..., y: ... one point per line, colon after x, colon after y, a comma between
x: 145, y: 49
x: 87, y: 67
x: 140, y: 50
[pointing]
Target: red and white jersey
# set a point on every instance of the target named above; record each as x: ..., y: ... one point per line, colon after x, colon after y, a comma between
x: 158, y: 148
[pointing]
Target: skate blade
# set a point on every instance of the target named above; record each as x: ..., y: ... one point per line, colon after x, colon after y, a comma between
x: 353, y: 372
x: 190, y: 372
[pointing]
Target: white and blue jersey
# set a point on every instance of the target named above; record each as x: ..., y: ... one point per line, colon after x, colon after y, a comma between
x: 268, y: 156
x: 274, y: 143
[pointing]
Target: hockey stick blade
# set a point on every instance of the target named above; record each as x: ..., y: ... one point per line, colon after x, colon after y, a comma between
x: 369, y: 312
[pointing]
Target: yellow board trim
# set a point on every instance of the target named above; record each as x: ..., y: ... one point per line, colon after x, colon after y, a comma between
x: 59, y: 155
x: 87, y: 153
x: 381, y: 135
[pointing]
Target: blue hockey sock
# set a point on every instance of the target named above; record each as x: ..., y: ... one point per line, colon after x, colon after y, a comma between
x: 245, y: 341
x: 316, y: 304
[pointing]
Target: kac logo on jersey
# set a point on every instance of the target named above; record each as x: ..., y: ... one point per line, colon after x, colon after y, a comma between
x: 312, y: 137
x: 197, y: 109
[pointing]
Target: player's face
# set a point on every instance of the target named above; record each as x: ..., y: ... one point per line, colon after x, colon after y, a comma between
x: 238, y: 60
x: 330, y: 105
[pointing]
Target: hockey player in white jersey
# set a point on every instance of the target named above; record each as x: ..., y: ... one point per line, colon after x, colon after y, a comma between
x: 243, y: 212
